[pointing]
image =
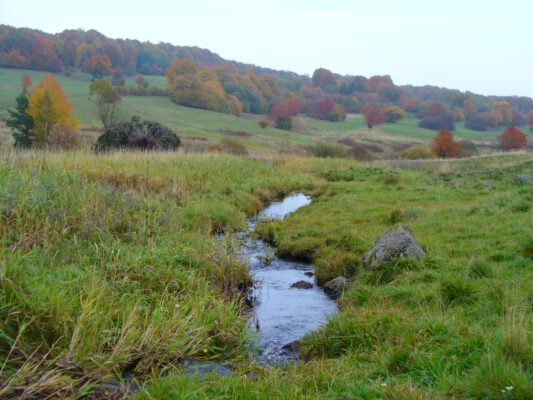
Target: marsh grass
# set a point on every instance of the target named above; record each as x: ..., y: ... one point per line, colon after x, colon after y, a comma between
x: 115, y: 264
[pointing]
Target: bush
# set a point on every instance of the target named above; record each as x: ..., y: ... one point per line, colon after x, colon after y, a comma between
x: 284, y: 123
x: 457, y: 290
x: 137, y: 134
x: 63, y: 137
x: 467, y: 148
x: 263, y: 124
x: 327, y: 151
x: 232, y: 146
x: 417, y: 153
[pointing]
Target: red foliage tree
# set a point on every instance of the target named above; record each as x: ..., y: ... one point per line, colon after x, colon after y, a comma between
x: 444, y: 146
x: 530, y: 120
x: 512, y: 139
x: 374, y: 115
x: 289, y: 108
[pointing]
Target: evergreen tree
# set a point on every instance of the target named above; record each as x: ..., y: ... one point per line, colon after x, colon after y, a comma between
x: 20, y: 122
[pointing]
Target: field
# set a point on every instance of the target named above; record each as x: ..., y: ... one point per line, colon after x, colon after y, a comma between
x: 111, y: 268
x: 200, y: 127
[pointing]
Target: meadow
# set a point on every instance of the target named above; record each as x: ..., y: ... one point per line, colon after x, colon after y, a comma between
x: 112, y: 267
x: 200, y: 127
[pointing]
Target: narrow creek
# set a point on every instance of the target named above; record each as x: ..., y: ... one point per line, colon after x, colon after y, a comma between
x: 282, y: 314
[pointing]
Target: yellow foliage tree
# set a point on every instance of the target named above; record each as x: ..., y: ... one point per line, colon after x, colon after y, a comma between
x: 48, y: 105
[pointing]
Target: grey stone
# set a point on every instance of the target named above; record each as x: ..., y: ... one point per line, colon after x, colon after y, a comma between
x: 336, y: 286
x: 395, y: 243
x: 523, y: 178
x: 302, y: 285
x: 488, y: 184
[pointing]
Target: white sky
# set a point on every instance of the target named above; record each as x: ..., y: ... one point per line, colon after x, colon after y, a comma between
x: 482, y: 46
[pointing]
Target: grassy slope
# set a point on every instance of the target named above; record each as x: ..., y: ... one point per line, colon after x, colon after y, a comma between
x: 206, y: 124
x: 111, y: 258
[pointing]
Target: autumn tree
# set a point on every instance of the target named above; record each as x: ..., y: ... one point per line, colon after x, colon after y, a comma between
x: 512, y: 139
x: 107, y: 101
x: 503, y: 108
x: 198, y: 87
x: 374, y: 115
x: 140, y: 80
x: 19, y: 120
x: 530, y: 120
x: 98, y: 65
x: 282, y: 114
x: 394, y: 114
x: 444, y: 146
x: 25, y: 82
x: 48, y: 105
x: 518, y: 119
x: 323, y: 78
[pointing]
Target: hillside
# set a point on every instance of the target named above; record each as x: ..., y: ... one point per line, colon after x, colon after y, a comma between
x: 199, y: 127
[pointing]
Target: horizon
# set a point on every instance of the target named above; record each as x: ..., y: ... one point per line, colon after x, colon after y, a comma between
x: 483, y: 64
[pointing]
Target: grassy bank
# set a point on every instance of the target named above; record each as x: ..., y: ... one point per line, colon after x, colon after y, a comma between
x: 111, y: 265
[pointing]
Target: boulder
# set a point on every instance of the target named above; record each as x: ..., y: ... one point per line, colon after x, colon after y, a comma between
x: 336, y: 286
x: 396, y: 243
x: 302, y: 285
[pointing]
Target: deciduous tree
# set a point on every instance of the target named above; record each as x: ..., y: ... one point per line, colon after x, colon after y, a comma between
x: 48, y: 105
x: 107, y: 102
x: 504, y: 109
x: 530, y: 120
x: 512, y: 139
x: 374, y: 115
x: 444, y: 146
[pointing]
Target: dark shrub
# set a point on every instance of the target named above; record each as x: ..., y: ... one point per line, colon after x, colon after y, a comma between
x: 437, y: 122
x: 137, y: 134
x: 284, y: 123
x: 477, y: 123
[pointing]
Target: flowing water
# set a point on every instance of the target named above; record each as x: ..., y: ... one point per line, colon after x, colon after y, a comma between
x: 282, y: 314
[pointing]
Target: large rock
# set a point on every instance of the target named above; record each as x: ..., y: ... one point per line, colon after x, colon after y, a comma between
x: 396, y: 243
x: 336, y: 286
x: 302, y: 285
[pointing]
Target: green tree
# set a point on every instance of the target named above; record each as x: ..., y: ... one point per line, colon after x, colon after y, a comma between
x: 107, y: 101
x: 20, y: 122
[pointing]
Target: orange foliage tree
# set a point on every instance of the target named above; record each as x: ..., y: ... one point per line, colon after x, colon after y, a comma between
x: 512, y: 139
x: 48, y: 105
x: 444, y: 146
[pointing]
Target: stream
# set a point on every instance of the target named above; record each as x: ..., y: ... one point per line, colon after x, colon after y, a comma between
x: 282, y: 314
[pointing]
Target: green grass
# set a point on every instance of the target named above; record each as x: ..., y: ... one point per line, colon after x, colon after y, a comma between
x: 110, y: 265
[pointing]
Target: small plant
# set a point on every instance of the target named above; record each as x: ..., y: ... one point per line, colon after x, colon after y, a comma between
x: 480, y: 269
x: 527, y: 248
x: 520, y: 206
x: 412, y: 213
x: 391, y: 178
x: 457, y: 290
x: 397, y: 360
x: 263, y: 124
x: 395, y: 217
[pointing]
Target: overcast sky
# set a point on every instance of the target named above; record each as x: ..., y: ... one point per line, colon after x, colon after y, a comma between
x: 482, y: 46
